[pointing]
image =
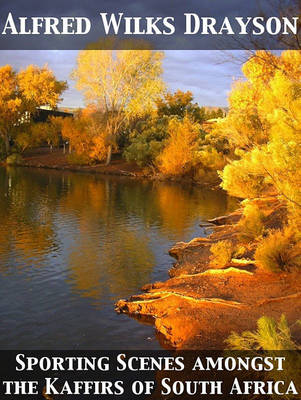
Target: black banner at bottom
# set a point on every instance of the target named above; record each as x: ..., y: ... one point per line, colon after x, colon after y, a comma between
x: 150, y: 374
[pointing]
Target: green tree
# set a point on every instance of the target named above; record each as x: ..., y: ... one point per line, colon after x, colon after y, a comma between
x: 180, y: 104
x: 146, y: 141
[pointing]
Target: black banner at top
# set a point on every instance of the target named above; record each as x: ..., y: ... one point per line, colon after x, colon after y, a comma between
x: 157, y: 24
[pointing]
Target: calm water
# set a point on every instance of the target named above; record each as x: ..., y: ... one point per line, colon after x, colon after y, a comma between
x: 72, y: 244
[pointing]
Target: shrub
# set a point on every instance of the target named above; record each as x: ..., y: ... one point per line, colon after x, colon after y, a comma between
x: 244, y: 178
x: 180, y: 153
x: 99, y: 148
x: 251, y: 224
x: 146, y: 141
x: 279, y: 251
x: 221, y: 253
x: 211, y: 159
x: 270, y: 335
x: 14, y: 159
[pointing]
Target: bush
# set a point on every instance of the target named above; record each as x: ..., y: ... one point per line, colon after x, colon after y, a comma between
x: 270, y: 335
x: 146, y: 141
x: 180, y: 153
x: 99, y: 148
x: 14, y: 159
x: 251, y: 224
x: 221, y: 253
x: 279, y: 251
x: 245, y: 178
x: 211, y: 159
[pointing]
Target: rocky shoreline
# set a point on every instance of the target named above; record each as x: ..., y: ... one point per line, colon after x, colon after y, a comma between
x: 199, y: 306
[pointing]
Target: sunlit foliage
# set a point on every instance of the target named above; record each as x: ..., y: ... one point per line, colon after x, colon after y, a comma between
x: 180, y: 153
x: 86, y: 135
x: 279, y: 251
x: 23, y: 92
x: 121, y: 84
x: 251, y: 224
x: 270, y: 335
x: 271, y: 134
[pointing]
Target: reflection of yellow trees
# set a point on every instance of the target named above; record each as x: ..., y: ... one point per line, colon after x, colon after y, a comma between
x: 119, y: 259
x: 26, y: 224
x: 33, y: 241
x: 5, y: 239
x: 105, y: 223
x: 106, y: 256
x: 179, y: 207
x: 85, y: 194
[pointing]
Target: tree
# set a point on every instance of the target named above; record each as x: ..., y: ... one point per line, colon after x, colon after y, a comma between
x: 10, y: 102
x: 86, y: 135
x: 24, y: 92
x: 180, y: 104
x: 146, y: 140
x: 274, y: 162
x: 122, y: 84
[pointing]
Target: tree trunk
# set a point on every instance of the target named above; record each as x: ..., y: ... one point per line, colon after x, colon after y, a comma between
x: 109, y: 155
x: 7, y: 145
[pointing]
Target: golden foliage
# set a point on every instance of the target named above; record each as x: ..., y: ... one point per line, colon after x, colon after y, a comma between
x: 24, y: 92
x: 121, y: 84
x: 275, y: 163
x: 279, y: 251
x: 251, y: 224
x: 87, y: 136
x: 179, y: 154
x: 99, y: 148
x: 76, y: 132
x: 38, y: 86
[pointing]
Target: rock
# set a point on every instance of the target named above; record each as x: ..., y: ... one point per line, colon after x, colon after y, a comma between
x: 230, y: 219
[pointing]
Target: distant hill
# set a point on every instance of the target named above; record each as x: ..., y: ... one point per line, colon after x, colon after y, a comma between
x: 68, y: 109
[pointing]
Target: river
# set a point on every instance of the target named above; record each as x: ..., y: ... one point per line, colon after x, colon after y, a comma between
x: 72, y: 244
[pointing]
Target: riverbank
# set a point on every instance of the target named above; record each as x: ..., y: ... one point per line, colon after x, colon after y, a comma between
x: 199, y: 306
x: 57, y: 160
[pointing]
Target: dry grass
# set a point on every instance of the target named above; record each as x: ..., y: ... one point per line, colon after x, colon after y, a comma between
x: 279, y: 251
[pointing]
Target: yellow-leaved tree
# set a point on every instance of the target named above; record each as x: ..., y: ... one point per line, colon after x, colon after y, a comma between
x: 179, y: 155
x: 23, y: 92
x: 273, y: 163
x: 121, y: 84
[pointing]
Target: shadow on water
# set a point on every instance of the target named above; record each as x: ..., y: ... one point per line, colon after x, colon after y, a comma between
x: 71, y: 244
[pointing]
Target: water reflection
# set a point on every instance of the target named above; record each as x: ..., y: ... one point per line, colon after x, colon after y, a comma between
x: 71, y: 244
